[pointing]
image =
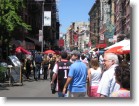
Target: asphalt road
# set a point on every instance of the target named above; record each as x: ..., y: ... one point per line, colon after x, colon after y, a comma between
x: 32, y: 88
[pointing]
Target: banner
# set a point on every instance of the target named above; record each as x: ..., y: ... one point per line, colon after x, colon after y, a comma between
x: 110, y: 29
x: 47, y: 18
x: 75, y: 36
x: 61, y: 42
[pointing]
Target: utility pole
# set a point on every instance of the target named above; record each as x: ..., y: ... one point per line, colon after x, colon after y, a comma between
x: 42, y: 25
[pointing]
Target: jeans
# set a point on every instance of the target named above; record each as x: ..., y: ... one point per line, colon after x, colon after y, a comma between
x: 60, y: 94
x: 37, y: 71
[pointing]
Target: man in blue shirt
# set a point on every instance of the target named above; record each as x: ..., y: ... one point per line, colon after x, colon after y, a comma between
x: 77, y: 77
x: 38, y: 62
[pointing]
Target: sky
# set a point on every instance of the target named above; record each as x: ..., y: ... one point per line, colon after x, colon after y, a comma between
x: 73, y: 11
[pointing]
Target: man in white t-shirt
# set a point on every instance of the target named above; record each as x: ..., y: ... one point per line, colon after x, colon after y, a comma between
x: 108, y: 83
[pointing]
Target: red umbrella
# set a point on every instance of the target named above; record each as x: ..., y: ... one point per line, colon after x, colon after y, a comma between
x: 116, y: 50
x: 21, y: 49
x: 49, y: 52
x: 18, y: 49
x: 126, y: 49
x: 119, y: 50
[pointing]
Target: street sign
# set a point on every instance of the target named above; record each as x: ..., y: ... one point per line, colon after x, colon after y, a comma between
x: 40, y: 35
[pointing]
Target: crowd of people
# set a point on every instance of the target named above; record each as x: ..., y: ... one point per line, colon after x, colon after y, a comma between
x: 75, y: 75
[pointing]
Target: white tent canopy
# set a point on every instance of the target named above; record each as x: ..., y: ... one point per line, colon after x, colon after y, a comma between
x: 125, y: 43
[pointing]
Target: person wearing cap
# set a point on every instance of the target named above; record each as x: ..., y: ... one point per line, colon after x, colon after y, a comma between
x: 76, y: 81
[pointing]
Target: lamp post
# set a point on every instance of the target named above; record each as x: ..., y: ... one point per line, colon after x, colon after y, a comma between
x: 42, y: 22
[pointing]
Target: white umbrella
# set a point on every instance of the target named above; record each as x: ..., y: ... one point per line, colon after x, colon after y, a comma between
x: 123, y: 43
x: 126, y: 47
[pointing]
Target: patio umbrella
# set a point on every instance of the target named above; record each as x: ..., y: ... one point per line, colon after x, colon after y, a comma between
x: 49, y: 52
x: 126, y: 49
x: 18, y: 49
x: 21, y: 49
x: 122, y: 43
x: 119, y: 50
x: 116, y: 50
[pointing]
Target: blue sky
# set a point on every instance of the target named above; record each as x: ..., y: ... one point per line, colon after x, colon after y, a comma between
x: 72, y: 11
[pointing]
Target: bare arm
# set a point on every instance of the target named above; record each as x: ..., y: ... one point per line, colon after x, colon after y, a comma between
x: 55, y: 70
x: 89, y: 79
x: 53, y: 78
x: 66, y: 84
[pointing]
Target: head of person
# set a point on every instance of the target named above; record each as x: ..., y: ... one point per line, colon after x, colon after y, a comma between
x: 110, y: 59
x: 122, y: 74
x: 58, y: 58
x: 64, y: 55
x: 82, y: 56
x: 94, y: 63
x: 50, y: 55
x: 75, y: 55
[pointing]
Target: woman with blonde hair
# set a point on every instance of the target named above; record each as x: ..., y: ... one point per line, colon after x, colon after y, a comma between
x: 45, y: 64
x: 94, y: 76
x: 51, y: 66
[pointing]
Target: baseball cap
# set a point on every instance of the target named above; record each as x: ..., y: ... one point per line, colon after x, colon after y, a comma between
x: 75, y: 52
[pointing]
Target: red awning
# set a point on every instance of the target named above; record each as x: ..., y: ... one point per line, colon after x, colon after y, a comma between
x: 103, y: 45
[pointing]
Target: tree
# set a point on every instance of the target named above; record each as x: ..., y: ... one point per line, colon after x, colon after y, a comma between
x: 10, y: 19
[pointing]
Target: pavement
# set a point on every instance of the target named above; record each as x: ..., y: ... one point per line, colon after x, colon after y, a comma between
x: 30, y: 88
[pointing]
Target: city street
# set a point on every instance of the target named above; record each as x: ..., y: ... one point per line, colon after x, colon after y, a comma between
x: 40, y: 88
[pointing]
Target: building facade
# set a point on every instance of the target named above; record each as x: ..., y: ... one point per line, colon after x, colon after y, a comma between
x: 95, y: 22
x: 33, y: 14
x: 77, y: 36
x: 112, y: 17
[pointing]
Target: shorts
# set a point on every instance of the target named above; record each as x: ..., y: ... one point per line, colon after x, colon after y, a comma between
x: 93, y: 91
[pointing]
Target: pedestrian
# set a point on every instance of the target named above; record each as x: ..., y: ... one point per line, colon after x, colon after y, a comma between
x: 38, y: 61
x: 45, y: 64
x: 84, y: 59
x: 94, y: 76
x: 28, y: 67
x: 108, y: 83
x: 61, y: 70
x: 122, y: 74
x: 77, y: 77
x: 51, y: 66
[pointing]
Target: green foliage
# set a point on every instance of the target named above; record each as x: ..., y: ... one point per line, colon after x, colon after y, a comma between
x: 2, y: 71
x: 9, y: 17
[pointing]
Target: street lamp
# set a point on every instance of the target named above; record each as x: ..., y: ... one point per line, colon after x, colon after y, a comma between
x: 42, y: 21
